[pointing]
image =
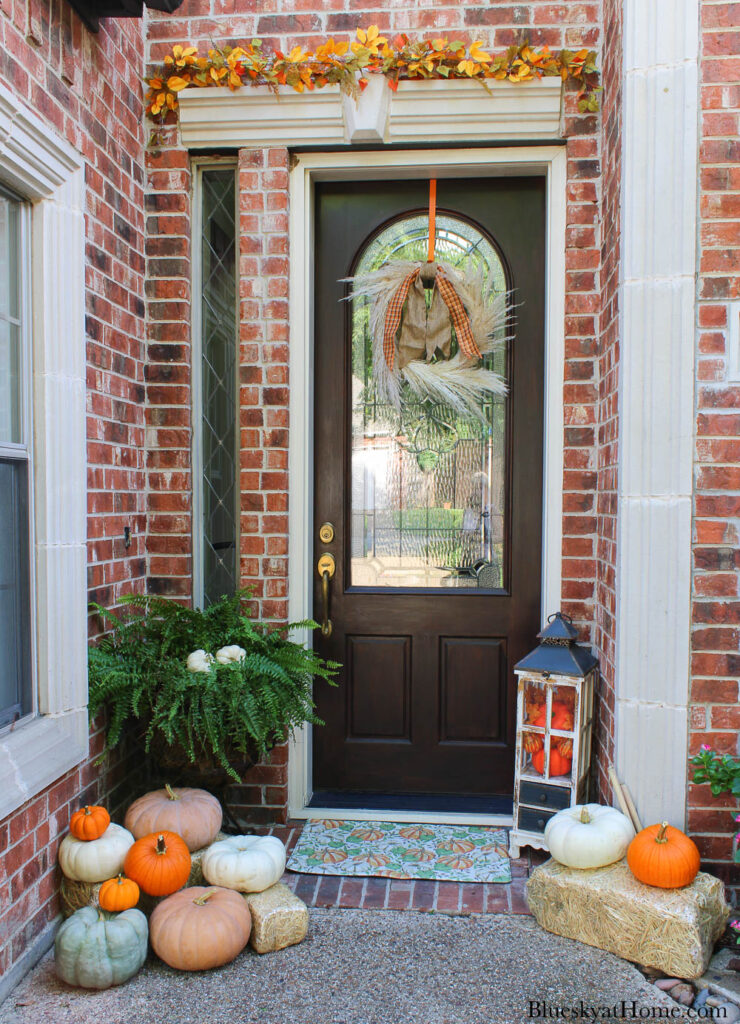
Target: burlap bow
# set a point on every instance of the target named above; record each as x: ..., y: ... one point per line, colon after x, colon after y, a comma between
x: 424, y: 331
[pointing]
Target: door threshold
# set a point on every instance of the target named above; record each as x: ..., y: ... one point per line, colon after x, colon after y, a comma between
x: 412, y: 817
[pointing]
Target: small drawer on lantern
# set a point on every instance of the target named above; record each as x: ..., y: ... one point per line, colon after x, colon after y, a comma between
x: 556, y: 797
x: 531, y: 819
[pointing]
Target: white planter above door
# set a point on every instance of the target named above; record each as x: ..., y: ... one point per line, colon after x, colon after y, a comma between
x: 420, y: 111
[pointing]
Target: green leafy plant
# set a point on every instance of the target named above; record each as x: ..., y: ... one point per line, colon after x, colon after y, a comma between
x: 721, y: 771
x: 138, y: 673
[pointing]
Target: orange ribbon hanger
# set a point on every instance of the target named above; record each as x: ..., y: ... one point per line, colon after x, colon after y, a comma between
x: 432, y: 219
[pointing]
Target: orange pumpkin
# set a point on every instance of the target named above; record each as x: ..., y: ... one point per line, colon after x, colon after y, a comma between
x: 663, y: 856
x: 159, y: 863
x: 559, y: 763
x: 561, y: 716
x: 200, y: 928
x: 193, y: 814
x: 118, y: 894
x: 90, y: 822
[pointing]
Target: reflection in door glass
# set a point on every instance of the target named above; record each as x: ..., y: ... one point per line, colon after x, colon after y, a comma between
x: 428, y: 483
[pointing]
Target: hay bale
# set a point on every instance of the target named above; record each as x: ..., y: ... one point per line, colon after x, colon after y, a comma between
x: 673, y: 930
x: 75, y: 895
x: 279, y: 918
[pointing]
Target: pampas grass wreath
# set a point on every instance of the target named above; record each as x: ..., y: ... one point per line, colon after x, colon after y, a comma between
x: 459, y: 382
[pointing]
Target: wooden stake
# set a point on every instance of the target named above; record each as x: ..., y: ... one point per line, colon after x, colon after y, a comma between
x: 617, y: 789
x: 633, y: 810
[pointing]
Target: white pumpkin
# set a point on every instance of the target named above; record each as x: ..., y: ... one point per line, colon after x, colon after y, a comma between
x: 94, y: 860
x: 588, y: 836
x: 244, y: 863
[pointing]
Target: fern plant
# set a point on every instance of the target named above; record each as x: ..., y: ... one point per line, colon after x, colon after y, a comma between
x: 233, y: 712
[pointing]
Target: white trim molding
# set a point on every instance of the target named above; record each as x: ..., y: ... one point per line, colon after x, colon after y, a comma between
x: 659, y: 237
x: 441, y: 111
x: 546, y: 161
x: 50, y: 174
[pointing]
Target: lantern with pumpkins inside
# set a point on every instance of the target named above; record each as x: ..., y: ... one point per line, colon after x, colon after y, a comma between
x: 555, y: 697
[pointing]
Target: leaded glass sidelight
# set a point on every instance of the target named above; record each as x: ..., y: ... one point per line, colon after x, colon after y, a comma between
x: 219, y: 384
x: 428, y: 483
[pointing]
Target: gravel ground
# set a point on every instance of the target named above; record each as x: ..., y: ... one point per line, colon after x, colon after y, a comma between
x: 361, y: 967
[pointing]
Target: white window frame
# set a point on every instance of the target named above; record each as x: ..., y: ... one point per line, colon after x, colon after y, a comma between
x: 49, y: 173
x: 198, y: 166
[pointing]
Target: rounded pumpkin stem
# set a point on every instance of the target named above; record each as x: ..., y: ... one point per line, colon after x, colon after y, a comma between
x: 120, y: 879
x: 161, y: 845
x: 202, y: 900
x: 170, y: 792
x: 585, y: 816
x: 661, y: 837
x: 86, y: 809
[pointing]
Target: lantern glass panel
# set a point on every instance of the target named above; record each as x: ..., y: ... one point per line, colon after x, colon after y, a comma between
x: 563, y: 708
x: 535, y: 699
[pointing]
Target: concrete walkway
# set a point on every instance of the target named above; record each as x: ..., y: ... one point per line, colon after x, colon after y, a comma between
x: 362, y: 967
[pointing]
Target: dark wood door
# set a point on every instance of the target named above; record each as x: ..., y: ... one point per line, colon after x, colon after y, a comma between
x: 437, y: 524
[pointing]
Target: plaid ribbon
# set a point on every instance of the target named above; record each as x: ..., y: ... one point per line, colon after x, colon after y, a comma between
x: 393, y: 317
x: 459, y: 317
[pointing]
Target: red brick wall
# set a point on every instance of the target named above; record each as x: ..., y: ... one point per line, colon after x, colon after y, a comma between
x: 264, y: 306
x: 607, y: 350
x: 87, y: 88
x: 715, y: 713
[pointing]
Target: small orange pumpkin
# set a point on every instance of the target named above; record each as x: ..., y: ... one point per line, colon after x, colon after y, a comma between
x: 90, y: 822
x: 159, y: 863
x: 663, y: 856
x: 559, y: 763
x: 118, y: 894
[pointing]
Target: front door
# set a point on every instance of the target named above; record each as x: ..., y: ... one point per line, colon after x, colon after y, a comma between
x: 436, y: 514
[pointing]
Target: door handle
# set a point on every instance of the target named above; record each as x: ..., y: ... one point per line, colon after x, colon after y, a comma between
x: 326, y: 568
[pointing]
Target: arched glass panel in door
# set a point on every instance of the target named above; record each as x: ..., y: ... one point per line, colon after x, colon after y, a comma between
x: 428, y: 483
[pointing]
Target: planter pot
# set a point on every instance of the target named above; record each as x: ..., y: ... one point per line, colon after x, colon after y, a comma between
x: 175, y: 766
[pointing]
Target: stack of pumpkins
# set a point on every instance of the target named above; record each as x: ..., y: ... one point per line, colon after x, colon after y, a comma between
x: 592, y: 836
x: 148, y: 864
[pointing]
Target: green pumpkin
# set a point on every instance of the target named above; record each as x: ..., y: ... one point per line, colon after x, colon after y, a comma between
x: 95, y: 949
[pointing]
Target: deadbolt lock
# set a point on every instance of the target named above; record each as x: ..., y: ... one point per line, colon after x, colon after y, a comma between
x: 326, y: 533
x: 326, y: 564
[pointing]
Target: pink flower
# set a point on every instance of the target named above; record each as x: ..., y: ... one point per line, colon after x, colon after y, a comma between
x: 735, y: 925
x: 737, y: 818
x: 705, y: 746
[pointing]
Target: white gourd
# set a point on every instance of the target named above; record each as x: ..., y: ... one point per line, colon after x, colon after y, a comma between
x: 199, y: 661
x: 95, y: 949
x: 244, y: 863
x: 229, y: 655
x: 588, y: 836
x: 95, y: 860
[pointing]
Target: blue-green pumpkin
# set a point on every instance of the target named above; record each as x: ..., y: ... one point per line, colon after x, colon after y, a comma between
x: 96, y: 949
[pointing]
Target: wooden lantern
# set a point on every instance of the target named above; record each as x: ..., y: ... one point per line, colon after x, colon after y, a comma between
x: 554, y: 721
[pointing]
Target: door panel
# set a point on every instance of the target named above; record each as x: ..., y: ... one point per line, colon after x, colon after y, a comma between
x: 426, y: 698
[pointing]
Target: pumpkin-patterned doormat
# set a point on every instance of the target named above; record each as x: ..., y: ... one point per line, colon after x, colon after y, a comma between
x: 450, y: 853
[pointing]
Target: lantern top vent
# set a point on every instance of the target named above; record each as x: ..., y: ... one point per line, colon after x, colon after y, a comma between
x: 558, y: 653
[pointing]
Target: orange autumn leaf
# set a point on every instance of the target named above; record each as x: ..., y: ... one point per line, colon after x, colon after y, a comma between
x: 176, y: 83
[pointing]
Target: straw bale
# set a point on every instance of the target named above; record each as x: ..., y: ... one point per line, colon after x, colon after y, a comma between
x: 279, y: 918
x: 673, y: 930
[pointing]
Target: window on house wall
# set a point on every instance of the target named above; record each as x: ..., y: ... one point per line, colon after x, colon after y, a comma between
x: 215, y: 385
x: 15, y: 463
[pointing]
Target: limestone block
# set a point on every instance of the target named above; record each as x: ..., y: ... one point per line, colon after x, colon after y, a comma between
x: 673, y: 930
x: 279, y: 918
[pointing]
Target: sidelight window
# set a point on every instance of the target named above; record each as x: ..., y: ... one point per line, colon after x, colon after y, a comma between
x: 15, y: 463
x: 215, y: 385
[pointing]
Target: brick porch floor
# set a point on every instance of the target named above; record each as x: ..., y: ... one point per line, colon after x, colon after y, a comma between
x: 400, y: 894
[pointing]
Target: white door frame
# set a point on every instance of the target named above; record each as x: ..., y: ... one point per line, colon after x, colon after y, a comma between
x: 548, y: 161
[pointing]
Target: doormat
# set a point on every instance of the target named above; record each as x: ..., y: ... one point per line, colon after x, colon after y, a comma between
x: 385, y: 849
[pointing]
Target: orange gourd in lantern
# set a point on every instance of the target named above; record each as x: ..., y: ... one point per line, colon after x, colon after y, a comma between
x: 559, y: 763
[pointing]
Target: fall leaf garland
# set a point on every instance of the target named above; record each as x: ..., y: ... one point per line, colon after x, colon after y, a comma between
x: 346, y: 64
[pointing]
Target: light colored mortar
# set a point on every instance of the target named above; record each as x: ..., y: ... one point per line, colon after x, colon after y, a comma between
x: 359, y: 967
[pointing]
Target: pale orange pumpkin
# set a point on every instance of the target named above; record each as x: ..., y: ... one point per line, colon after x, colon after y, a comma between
x: 193, y: 814
x: 118, y: 894
x: 200, y: 927
x: 159, y: 863
x: 663, y: 856
x: 90, y: 822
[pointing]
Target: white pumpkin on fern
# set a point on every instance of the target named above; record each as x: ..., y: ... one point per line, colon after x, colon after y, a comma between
x: 588, y: 836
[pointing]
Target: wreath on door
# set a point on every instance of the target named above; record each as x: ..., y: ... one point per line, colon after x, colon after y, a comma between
x: 431, y: 326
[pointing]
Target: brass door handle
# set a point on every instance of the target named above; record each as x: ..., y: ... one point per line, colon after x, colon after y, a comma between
x: 326, y: 568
